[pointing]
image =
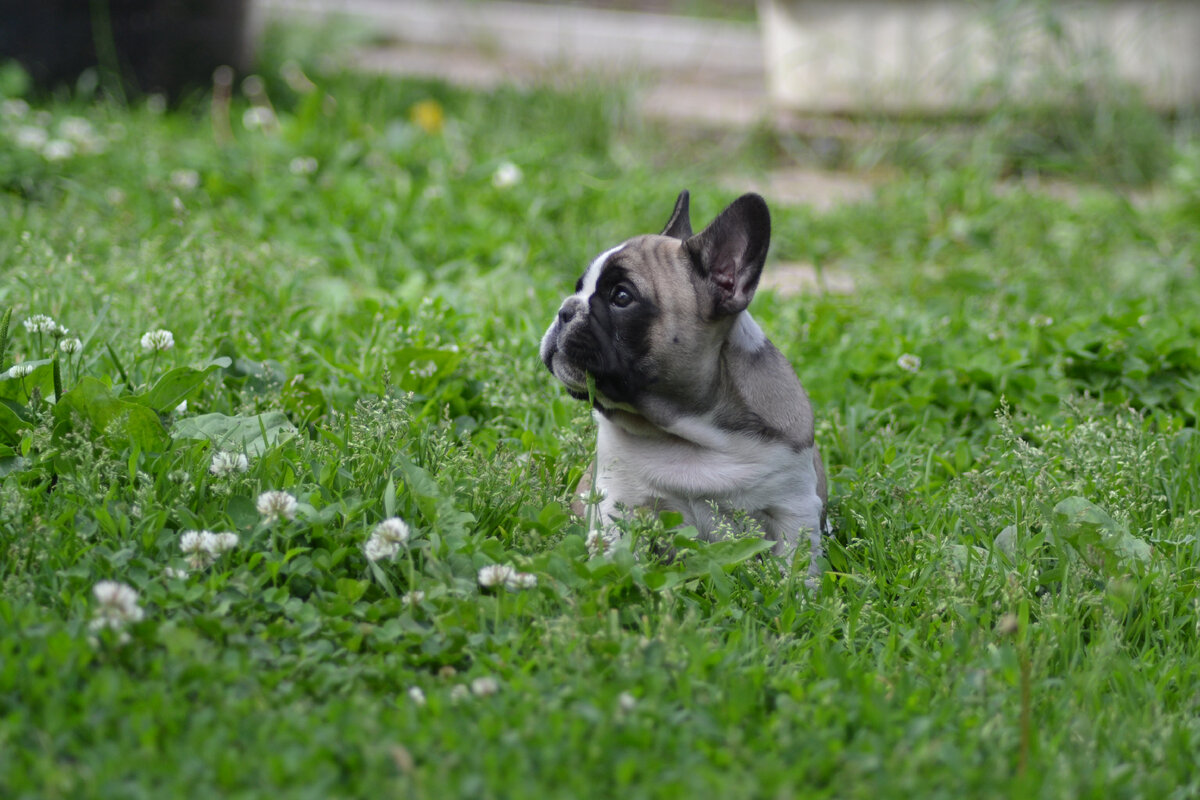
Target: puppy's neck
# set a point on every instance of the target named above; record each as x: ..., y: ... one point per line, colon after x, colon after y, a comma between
x: 709, y: 383
x: 745, y: 335
x: 629, y: 421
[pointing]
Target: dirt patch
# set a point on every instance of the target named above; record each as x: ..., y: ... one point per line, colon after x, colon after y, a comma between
x: 820, y: 189
x: 792, y: 278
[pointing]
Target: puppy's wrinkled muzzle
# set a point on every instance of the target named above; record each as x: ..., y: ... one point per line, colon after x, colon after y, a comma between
x: 557, y: 346
x: 570, y: 307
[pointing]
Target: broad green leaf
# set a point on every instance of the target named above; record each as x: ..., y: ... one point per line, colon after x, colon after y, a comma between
x: 19, y: 389
x: 254, y: 433
x: 1006, y: 542
x: 731, y: 552
x: 382, y: 579
x: 115, y: 417
x: 350, y: 588
x: 389, y: 498
x: 418, y: 481
x: 1103, y: 543
x: 10, y: 461
x: 705, y: 559
x: 963, y: 556
x: 11, y: 421
x: 173, y: 387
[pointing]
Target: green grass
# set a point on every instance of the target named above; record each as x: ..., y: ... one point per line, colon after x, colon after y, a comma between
x: 1011, y: 607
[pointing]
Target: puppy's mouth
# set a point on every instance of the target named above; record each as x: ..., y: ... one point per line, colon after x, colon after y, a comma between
x: 570, y: 376
x: 576, y: 350
x: 574, y: 378
x: 609, y: 391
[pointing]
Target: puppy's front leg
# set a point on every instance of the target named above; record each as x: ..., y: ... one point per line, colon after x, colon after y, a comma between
x: 787, y: 526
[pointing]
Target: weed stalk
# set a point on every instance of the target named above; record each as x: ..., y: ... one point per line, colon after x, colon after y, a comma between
x: 4, y: 321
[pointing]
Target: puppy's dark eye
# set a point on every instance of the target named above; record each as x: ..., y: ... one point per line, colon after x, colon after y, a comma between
x: 620, y: 297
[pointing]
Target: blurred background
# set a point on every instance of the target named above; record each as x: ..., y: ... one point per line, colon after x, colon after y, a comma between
x: 1097, y: 89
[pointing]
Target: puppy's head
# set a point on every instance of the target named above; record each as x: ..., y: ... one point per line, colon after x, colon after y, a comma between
x: 649, y: 316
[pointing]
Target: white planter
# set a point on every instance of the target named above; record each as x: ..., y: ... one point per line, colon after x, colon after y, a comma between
x: 897, y: 56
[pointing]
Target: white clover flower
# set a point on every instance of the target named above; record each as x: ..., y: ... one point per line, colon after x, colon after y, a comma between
x: 377, y: 549
x: 507, y: 174
x: 416, y: 695
x: 257, y: 117
x: 117, y: 605
x: 77, y: 129
x: 274, y: 505
x: 203, y: 547
x: 226, y: 463
x: 154, y: 341
x: 217, y: 543
x: 303, y: 165
x: 14, y: 108
x: 31, y: 137
x: 192, y: 542
x: 908, y: 362
x: 412, y: 598
x: 626, y: 702
x: 20, y: 370
x: 392, y: 529
x: 118, y: 596
x: 387, y: 539
x: 1041, y: 321
x: 70, y: 346
x: 185, y: 179
x: 521, y: 580
x: 58, y: 150
x: 195, y: 547
x: 459, y: 692
x: 487, y: 685
x: 495, y: 575
x: 182, y: 407
x: 601, y: 542
x: 40, y: 323
x: 172, y: 572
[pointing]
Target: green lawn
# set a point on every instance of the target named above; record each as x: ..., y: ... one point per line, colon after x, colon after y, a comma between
x: 355, y: 288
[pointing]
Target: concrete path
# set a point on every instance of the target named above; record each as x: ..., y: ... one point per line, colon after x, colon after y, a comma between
x: 685, y: 69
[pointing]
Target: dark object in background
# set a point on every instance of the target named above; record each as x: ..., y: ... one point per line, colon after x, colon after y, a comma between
x: 165, y: 46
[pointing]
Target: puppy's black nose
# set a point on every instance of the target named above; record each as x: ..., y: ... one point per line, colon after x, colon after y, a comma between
x: 567, y: 312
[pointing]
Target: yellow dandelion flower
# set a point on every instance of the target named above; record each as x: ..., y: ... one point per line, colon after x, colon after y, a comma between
x: 428, y: 115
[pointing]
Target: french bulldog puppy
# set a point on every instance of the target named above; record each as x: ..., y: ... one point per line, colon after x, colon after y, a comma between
x: 697, y: 411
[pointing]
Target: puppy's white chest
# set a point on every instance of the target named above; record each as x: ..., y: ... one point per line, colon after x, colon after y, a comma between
x: 696, y: 463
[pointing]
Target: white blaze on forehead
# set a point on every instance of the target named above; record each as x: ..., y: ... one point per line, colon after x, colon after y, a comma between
x: 593, y: 272
x: 550, y: 339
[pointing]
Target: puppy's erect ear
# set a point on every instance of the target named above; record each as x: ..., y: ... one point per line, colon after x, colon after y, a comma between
x: 680, y: 223
x: 730, y: 252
